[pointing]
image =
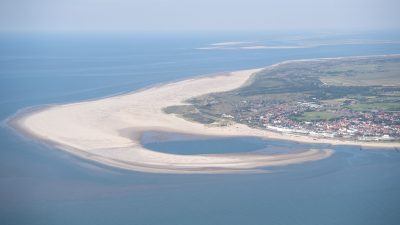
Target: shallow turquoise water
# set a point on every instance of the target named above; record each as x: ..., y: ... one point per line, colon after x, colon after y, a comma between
x: 40, y: 185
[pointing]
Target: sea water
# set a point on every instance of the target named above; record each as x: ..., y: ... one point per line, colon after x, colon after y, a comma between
x: 42, y: 185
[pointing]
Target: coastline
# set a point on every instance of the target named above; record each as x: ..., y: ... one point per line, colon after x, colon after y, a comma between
x: 108, y: 130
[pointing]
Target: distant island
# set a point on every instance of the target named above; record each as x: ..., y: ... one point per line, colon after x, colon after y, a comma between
x: 354, y: 98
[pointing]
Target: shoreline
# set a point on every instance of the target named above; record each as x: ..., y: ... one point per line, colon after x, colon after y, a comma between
x: 108, y: 130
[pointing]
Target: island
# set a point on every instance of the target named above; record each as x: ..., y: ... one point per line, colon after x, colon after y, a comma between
x: 300, y: 100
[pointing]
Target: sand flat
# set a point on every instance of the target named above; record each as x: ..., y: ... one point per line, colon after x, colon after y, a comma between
x: 94, y: 130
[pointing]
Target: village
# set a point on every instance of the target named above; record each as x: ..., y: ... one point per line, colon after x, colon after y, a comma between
x: 339, y: 123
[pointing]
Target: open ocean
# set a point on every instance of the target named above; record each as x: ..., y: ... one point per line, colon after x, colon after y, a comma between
x: 44, y: 186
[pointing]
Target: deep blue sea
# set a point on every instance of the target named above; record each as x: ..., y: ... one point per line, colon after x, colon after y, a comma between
x: 44, y: 186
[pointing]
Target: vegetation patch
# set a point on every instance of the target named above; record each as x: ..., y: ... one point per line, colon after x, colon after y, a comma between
x: 316, y: 116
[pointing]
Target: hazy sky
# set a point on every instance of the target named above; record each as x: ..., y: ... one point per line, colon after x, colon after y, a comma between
x: 162, y: 15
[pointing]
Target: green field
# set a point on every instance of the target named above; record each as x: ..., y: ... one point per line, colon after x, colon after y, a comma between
x: 316, y: 116
x: 364, y: 75
x: 379, y: 106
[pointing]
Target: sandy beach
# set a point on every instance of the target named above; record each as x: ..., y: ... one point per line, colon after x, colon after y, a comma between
x: 108, y: 130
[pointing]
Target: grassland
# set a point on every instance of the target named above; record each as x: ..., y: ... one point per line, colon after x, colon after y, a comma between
x: 317, y: 116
